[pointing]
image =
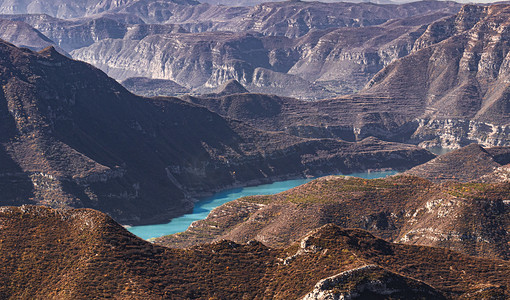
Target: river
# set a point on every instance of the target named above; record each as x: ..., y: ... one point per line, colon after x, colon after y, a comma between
x: 203, y: 207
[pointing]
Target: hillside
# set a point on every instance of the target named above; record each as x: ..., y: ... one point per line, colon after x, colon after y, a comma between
x: 457, y: 77
x: 83, y: 254
x: 72, y: 137
x: 23, y: 35
x: 471, y: 218
x: 466, y: 164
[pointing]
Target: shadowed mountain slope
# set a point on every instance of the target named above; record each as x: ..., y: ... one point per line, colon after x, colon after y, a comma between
x: 73, y: 137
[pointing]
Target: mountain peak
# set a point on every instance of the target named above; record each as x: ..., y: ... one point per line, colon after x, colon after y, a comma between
x: 231, y: 87
x: 465, y: 164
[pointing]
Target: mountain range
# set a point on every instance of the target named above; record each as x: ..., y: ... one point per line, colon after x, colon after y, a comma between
x: 447, y: 105
x: 108, y: 36
x: 267, y: 92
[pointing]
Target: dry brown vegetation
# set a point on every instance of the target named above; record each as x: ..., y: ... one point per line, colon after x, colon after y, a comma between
x: 467, y: 217
x: 83, y: 254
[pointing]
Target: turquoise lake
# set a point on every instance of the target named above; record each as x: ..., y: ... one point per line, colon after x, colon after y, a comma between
x: 204, y: 207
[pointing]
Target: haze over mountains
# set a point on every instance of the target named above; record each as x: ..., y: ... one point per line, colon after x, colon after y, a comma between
x: 118, y: 39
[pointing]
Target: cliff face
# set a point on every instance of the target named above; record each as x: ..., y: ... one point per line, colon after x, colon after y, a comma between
x: 316, y: 66
x: 320, y: 49
x: 72, y: 137
x: 83, y: 254
x: 461, y: 81
x: 345, y: 59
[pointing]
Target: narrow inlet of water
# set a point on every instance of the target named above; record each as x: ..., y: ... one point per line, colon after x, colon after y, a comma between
x: 204, y: 207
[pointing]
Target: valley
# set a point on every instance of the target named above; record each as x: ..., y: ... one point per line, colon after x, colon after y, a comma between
x: 217, y: 132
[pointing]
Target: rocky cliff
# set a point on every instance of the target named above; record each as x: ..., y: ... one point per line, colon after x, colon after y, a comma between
x: 460, y: 82
x: 318, y: 65
x: 321, y: 56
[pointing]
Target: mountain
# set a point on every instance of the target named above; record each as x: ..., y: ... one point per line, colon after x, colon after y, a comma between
x: 230, y: 87
x: 84, y: 254
x: 350, y: 118
x: 321, y: 64
x: 466, y: 164
x: 320, y: 58
x: 345, y: 59
x: 23, y: 35
x: 456, y: 79
x: 83, y: 32
x: 73, y: 9
x: 73, y: 137
x: 398, y: 103
x: 201, y: 62
x: 297, y: 18
x: 470, y: 218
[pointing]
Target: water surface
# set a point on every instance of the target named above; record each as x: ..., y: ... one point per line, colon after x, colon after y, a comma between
x: 203, y: 207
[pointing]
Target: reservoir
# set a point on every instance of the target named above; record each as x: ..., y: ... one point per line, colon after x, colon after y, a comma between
x: 203, y: 207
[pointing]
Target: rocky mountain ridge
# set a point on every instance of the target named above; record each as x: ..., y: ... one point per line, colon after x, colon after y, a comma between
x: 81, y: 254
x: 132, y: 30
x: 460, y: 81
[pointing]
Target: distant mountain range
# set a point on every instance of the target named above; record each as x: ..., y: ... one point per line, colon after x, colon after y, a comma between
x: 316, y: 60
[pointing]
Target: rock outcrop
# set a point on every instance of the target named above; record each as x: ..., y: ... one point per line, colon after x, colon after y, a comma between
x: 371, y: 281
